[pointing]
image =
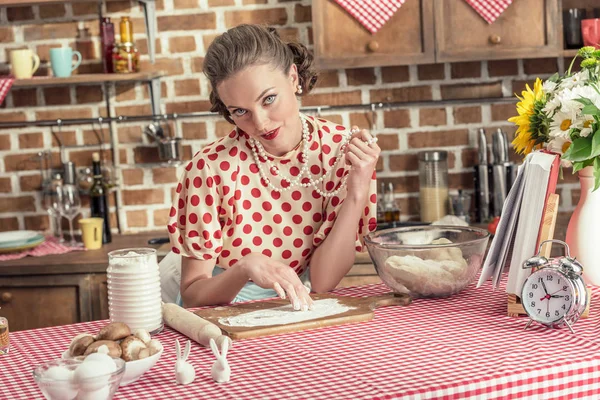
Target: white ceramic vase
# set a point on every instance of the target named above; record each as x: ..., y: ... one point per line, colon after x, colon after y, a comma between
x: 584, y: 227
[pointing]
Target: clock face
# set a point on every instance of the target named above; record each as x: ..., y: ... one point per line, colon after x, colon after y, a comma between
x: 547, y: 296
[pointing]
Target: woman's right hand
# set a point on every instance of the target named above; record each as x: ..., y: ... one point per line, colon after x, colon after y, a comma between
x: 270, y: 274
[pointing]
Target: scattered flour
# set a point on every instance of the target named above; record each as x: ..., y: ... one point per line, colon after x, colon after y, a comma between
x: 286, y: 314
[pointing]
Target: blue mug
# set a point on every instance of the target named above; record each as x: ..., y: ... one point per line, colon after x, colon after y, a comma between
x: 61, y: 60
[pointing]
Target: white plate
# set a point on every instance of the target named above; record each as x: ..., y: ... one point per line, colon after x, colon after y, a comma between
x: 16, y: 237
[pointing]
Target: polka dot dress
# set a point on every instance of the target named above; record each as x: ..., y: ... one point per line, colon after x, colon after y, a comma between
x: 224, y: 210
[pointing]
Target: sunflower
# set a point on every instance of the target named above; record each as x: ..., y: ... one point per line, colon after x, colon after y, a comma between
x: 532, y: 122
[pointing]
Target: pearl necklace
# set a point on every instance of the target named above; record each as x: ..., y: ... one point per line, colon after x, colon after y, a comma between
x: 258, y: 152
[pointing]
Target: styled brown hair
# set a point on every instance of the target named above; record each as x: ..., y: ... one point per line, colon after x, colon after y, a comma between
x: 246, y: 45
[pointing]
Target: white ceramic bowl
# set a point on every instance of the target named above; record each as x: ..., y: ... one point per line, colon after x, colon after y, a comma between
x: 133, y: 369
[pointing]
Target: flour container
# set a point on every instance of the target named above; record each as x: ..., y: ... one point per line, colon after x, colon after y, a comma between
x: 134, y: 289
x: 433, y: 185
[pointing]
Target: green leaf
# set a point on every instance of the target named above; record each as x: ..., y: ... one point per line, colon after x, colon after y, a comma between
x: 577, y: 166
x: 590, y: 109
x: 595, y: 144
x: 580, y: 150
x: 596, y: 173
x: 584, y: 101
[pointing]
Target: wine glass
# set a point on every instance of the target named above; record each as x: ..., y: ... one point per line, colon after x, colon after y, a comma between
x: 51, y: 202
x: 70, y: 203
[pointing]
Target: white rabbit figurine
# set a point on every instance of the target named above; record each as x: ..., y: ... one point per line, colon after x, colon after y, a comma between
x: 220, y: 370
x: 184, y: 371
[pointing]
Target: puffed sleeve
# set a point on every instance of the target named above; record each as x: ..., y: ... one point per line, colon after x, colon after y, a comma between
x: 367, y: 222
x: 194, y: 227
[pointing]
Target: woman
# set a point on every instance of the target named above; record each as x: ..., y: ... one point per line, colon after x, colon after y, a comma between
x: 280, y: 193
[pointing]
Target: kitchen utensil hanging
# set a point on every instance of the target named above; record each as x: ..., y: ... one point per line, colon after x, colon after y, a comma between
x: 169, y: 147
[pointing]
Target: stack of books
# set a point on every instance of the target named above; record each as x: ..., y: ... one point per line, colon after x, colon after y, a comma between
x: 519, y: 231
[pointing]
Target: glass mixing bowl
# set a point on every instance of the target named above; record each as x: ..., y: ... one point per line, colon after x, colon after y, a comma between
x: 428, y: 261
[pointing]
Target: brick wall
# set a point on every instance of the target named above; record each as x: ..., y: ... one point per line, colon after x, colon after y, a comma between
x: 186, y: 27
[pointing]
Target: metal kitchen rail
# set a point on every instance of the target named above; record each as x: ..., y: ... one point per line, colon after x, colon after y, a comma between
x: 373, y: 107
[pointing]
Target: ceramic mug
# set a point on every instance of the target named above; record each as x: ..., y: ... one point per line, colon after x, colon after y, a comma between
x: 91, y: 232
x: 590, y: 31
x: 61, y: 61
x: 24, y: 63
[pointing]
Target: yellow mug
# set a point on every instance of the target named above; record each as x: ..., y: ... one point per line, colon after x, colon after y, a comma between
x: 91, y: 232
x: 24, y: 63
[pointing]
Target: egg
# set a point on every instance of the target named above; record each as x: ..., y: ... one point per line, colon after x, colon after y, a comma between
x: 61, y: 387
x: 102, y: 358
x: 92, y: 375
x: 99, y: 394
x: 59, y: 373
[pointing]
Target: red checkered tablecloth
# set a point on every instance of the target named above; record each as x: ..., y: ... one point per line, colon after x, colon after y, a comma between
x: 462, y: 347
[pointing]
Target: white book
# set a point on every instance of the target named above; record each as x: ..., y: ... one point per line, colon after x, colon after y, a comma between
x: 530, y: 219
x: 519, y: 224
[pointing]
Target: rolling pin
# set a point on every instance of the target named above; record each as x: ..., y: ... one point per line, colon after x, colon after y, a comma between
x: 194, y: 327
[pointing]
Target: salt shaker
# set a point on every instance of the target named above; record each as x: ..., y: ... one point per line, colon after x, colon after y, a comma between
x: 134, y: 296
x: 433, y: 185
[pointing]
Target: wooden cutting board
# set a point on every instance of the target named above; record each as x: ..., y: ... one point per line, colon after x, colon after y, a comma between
x: 362, y: 310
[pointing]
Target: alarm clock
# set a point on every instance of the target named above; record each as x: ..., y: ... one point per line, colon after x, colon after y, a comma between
x: 554, y: 295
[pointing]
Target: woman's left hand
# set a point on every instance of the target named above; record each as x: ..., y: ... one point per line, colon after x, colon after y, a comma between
x: 362, y: 153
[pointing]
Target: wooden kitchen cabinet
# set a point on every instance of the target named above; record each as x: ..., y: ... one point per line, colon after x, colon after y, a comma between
x: 526, y: 29
x: 46, y: 300
x: 341, y: 42
x: 427, y: 31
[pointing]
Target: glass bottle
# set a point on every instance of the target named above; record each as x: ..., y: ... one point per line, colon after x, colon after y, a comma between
x: 4, y: 338
x: 391, y: 209
x: 125, y: 54
x: 433, y: 185
x: 99, y: 198
x: 107, y: 37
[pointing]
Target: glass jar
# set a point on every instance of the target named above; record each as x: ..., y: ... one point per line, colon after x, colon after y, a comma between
x: 433, y: 185
x: 4, y: 338
x: 134, y: 296
x: 125, y: 55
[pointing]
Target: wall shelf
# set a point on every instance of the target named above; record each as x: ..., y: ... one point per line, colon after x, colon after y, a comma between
x: 86, y: 79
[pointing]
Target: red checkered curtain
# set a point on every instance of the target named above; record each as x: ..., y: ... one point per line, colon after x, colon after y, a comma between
x: 5, y: 84
x: 372, y: 14
x: 489, y: 9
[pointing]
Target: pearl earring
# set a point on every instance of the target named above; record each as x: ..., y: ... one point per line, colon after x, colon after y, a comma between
x: 299, y: 90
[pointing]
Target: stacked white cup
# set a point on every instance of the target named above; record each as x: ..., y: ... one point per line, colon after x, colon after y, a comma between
x: 134, y: 289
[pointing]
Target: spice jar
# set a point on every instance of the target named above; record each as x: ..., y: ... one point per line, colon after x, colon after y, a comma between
x: 433, y: 185
x: 134, y: 289
x: 125, y: 54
